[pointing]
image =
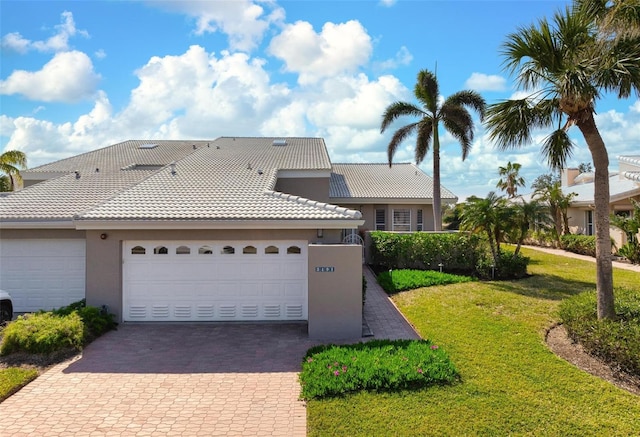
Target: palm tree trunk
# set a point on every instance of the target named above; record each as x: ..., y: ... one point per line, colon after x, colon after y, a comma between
x: 604, y: 267
x: 437, y: 201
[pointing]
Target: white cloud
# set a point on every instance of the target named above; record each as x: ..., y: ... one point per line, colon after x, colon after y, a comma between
x: 402, y: 57
x: 485, y: 82
x: 68, y: 77
x: 337, y: 49
x: 243, y: 21
x: 100, y: 54
x: 56, y: 43
x: 388, y: 3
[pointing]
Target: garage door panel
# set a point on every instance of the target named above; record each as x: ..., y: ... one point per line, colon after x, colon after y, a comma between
x: 43, y: 273
x: 217, y: 286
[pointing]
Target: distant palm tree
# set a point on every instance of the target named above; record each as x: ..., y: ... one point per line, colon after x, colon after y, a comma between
x: 567, y: 65
x: 488, y: 215
x: 11, y: 162
x: 453, y: 114
x: 511, y: 179
x: 525, y: 216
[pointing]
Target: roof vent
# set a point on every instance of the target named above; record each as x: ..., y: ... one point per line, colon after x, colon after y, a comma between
x: 148, y: 146
x: 77, y: 174
x: 281, y: 142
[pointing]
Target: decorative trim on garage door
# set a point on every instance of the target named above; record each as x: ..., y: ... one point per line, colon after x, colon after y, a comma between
x: 215, y: 281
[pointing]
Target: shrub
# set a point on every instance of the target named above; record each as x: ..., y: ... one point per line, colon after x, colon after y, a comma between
x: 96, y: 321
x: 580, y: 244
x: 508, y: 266
x: 400, y: 280
x: 631, y: 252
x: 42, y: 333
x: 45, y: 332
x: 615, y: 341
x: 458, y: 252
x: 378, y: 365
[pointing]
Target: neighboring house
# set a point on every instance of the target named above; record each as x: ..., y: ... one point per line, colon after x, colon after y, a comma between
x: 623, y: 186
x: 397, y: 198
x: 234, y: 229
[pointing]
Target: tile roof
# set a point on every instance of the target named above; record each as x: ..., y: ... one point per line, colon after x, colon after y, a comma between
x: 380, y: 182
x: 223, y: 180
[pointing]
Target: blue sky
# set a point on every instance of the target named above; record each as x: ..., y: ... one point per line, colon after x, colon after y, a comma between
x: 80, y: 75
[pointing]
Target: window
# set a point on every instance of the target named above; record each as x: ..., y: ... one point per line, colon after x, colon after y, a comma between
x: 138, y: 250
x: 228, y: 250
x: 249, y: 250
x: 589, y: 223
x: 271, y: 250
x: 293, y: 250
x: 205, y: 250
x: 160, y: 250
x: 419, y: 224
x: 380, y: 219
x: 402, y: 220
x: 183, y: 250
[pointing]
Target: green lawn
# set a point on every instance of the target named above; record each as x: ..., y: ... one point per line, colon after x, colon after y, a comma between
x: 13, y: 378
x: 511, y: 383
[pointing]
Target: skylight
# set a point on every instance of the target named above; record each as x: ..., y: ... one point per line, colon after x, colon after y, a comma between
x: 281, y: 142
x: 148, y: 146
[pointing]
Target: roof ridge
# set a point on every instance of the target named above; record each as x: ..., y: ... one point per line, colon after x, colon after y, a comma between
x: 372, y: 163
x: 321, y: 205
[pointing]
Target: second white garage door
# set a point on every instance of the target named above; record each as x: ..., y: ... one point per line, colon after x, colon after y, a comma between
x: 214, y: 281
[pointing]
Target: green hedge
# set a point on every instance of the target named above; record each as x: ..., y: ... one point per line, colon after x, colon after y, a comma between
x: 457, y: 252
x: 615, y: 341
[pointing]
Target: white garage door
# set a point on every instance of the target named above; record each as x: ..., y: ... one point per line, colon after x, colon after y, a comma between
x: 214, y: 281
x: 42, y: 273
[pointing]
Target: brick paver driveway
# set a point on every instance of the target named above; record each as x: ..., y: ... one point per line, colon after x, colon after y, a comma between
x: 183, y: 380
x: 170, y: 379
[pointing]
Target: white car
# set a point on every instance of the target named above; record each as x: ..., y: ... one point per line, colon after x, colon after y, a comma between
x: 6, y: 307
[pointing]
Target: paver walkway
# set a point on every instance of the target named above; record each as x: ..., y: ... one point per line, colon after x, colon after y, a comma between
x: 182, y: 380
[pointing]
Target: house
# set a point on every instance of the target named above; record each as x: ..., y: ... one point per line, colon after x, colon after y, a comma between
x: 234, y: 229
x: 624, y: 185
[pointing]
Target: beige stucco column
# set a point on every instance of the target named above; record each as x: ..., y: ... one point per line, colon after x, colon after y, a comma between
x: 335, y: 292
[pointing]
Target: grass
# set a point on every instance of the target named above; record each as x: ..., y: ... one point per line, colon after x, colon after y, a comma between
x: 13, y: 379
x: 511, y: 384
x: 393, y: 281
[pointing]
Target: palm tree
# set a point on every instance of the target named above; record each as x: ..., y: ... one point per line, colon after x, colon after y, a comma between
x: 453, y: 114
x: 510, y: 179
x: 524, y: 216
x: 568, y: 65
x: 11, y: 162
x: 488, y: 215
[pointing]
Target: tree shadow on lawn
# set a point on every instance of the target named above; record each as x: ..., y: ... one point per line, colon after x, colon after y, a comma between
x: 544, y: 286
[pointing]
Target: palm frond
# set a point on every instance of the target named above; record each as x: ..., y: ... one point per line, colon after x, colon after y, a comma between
x: 511, y: 122
x: 398, y: 138
x: 423, y: 141
x: 427, y: 90
x: 399, y: 109
x: 470, y: 99
x: 557, y: 148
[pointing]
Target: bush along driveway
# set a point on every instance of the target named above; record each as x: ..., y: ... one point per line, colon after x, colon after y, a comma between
x: 511, y: 383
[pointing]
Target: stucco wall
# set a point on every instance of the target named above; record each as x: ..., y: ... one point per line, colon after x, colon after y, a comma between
x: 335, y: 296
x: 310, y: 188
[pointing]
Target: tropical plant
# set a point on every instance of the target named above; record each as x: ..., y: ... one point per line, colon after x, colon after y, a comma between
x: 525, y: 216
x: 630, y: 225
x: 567, y: 64
x: 585, y: 167
x: 11, y: 162
x: 490, y: 216
x: 510, y: 179
x: 454, y: 114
